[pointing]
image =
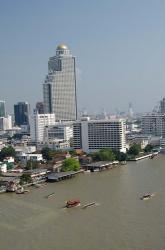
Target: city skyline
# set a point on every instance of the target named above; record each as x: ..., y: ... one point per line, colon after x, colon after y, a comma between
x: 119, y: 49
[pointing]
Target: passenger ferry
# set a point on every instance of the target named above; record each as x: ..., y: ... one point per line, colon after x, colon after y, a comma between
x: 72, y: 203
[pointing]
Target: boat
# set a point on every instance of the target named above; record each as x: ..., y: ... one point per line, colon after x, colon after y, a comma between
x: 96, y: 170
x: 146, y: 196
x: 72, y: 203
x: 87, y: 171
x: 50, y: 195
x: 89, y: 204
x: 2, y: 189
x: 123, y: 162
x: 21, y: 190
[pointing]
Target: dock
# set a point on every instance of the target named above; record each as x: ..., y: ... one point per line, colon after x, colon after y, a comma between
x: 151, y: 155
x: 54, y: 177
x: 101, y: 165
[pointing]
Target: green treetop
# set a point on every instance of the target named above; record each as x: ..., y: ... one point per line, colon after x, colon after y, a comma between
x: 70, y: 164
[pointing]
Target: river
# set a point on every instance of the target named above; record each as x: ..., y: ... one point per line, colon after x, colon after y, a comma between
x: 120, y: 220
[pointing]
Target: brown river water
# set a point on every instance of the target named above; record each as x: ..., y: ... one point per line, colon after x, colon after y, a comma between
x: 120, y: 220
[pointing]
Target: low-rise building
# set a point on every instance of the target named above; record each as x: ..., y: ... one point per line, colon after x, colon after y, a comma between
x: 23, y: 157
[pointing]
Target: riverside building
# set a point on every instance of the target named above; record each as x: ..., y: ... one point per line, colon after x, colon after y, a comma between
x: 92, y: 135
x: 59, y: 88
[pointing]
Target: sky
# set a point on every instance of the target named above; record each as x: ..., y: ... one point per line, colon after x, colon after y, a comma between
x: 119, y: 47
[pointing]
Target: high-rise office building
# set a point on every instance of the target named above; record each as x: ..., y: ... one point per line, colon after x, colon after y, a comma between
x: 59, y: 88
x: 2, y: 109
x: 21, y: 113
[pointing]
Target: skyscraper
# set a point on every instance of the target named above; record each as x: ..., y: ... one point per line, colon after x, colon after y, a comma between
x: 40, y: 107
x: 21, y: 113
x: 59, y: 88
x: 2, y: 109
x: 162, y: 106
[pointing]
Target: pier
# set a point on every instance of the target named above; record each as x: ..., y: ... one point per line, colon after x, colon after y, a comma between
x: 54, y: 177
x: 100, y: 165
x: 151, y: 155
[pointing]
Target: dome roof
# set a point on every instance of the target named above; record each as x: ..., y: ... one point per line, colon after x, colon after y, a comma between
x: 62, y: 47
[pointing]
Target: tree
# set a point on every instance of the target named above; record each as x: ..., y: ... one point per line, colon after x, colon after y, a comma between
x: 7, y: 151
x: 106, y: 155
x: 70, y: 164
x: 25, y: 178
x: 103, y: 155
x: 31, y: 165
x: 120, y: 156
x: 148, y: 148
x: 72, y: 152
x: 46, y: 153
x: 134, y: 149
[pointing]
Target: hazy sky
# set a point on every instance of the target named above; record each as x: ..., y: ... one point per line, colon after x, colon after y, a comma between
x: 119, y: 47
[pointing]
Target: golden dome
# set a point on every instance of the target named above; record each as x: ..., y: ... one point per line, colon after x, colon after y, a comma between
x: 62, y: 47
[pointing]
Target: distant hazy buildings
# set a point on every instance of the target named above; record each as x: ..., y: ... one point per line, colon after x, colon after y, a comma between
x: 92, y: 135
x: 2, y: 109
x: 59, y: 89
x: 130, y: 110
x: 5, y: 120
x: 21, y: 113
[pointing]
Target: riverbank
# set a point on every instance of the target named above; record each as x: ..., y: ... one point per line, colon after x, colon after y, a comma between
x: 151, y: 155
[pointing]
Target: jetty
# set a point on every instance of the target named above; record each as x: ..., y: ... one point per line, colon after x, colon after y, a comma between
x: 54, y: 177
x: 101, y: 165
x: 151, y: 156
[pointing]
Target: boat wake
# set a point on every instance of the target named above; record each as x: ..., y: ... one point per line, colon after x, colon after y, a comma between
x: 91, y: 204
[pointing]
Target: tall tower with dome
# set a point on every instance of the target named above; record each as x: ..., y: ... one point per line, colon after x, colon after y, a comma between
x: 59, y: 88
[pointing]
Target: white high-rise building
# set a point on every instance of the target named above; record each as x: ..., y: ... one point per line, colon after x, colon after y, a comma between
x: 59, y: 89
x: 92, y: 135
x: 38, y: 126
